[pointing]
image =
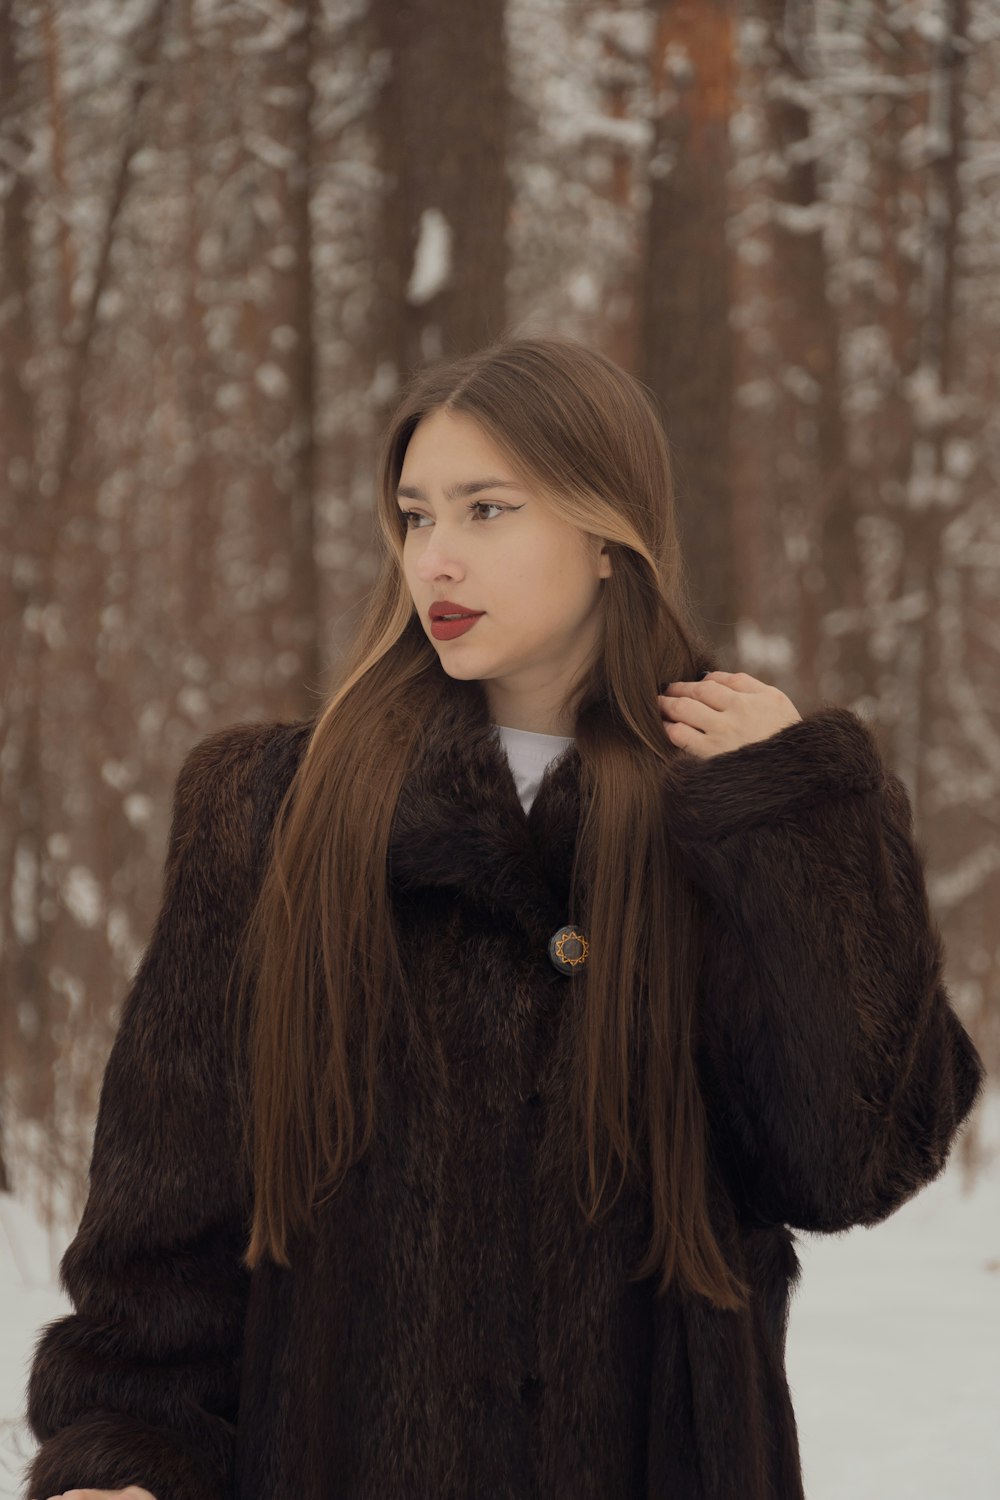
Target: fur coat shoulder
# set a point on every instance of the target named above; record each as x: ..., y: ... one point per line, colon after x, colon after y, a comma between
x: 452, y: 1328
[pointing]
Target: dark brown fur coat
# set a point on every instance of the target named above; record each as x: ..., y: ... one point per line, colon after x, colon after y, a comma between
x: 453, y: 1330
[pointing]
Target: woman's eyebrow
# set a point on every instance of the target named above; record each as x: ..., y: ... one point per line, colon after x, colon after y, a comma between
x: 463, y: 487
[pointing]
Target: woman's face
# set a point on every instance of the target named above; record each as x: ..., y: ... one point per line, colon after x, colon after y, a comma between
x: 499, y: 550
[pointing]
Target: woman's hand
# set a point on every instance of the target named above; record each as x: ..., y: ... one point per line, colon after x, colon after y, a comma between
x: 132, y: 1492
x: 722, y: 712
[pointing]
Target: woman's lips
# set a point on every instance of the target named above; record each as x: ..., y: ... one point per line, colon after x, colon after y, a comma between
x: 446, y: 630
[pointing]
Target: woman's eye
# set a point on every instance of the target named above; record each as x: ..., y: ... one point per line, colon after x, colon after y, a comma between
x: 476, y: 505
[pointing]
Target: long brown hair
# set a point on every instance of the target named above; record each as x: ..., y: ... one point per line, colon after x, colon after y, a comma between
x: 584, y: 435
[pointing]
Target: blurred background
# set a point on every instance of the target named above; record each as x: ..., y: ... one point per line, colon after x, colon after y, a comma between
x: 230, y: 228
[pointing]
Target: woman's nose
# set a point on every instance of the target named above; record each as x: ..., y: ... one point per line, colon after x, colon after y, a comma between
x: 438, y: 560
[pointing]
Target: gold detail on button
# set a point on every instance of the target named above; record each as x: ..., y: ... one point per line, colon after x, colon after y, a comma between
x: 568, y: 949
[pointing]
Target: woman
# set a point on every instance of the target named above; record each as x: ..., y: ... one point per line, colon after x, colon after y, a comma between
x: 541, y: 891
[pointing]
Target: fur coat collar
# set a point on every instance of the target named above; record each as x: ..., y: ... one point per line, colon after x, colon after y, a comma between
x: 460, y: 826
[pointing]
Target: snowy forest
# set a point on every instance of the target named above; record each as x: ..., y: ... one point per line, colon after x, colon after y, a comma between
x: 229, y: 228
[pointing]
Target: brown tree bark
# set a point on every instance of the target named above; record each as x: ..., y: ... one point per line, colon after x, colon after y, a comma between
x: 440, y: 256
x: 810, y: 493
x: 18, y: 803
x: 685, y: 341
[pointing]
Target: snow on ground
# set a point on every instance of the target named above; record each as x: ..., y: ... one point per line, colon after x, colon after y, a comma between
x: 893, y: 1343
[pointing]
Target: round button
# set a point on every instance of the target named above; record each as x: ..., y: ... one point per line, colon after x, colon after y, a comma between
x: 568, y: 949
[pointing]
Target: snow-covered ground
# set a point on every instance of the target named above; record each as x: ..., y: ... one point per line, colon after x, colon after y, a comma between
x: 893, y: 1345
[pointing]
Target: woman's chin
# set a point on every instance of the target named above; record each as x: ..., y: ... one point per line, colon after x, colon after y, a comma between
x: 462, y: 670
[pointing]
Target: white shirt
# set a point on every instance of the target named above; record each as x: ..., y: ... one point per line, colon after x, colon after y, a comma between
x: 529, y: 754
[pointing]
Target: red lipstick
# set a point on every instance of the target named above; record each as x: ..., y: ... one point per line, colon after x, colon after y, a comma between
x: 445, y: 630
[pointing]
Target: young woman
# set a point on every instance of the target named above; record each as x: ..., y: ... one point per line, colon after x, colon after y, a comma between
x: 528, y: 903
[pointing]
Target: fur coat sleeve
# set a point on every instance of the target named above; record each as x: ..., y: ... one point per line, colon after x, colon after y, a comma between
x: 835, y: 1071
x: 139, y: 1385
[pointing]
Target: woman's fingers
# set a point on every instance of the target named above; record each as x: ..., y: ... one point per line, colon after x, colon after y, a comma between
x: 710, y: 717
x: 689, y: 711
